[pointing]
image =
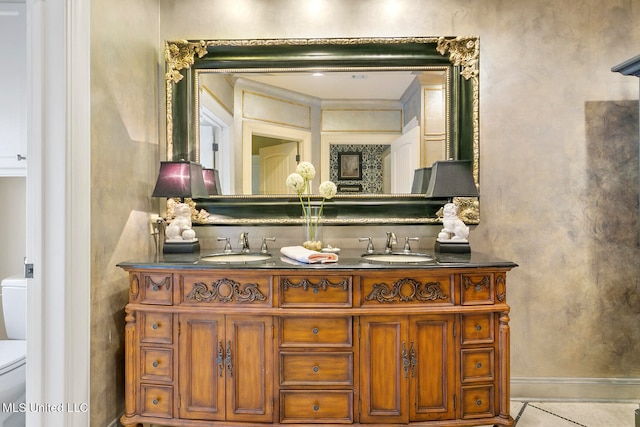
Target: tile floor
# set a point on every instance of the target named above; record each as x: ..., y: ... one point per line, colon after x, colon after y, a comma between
x: 573, y: 414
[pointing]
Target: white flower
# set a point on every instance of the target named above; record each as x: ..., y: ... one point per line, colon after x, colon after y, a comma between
x: 306, y: 170
x: 328, y: 189
x: 296, y: 182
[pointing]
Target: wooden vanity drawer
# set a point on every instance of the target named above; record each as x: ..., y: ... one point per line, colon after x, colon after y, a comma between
x: 477, y: 402
x: 318, y: 406
x: 156, y: 400
x: 477, y: 329
x: 476, y: 289
x: 315, y: 368
x: 156, y: 328
x: 220, y: 289
x: 316, y: 331
x: 156, y: 364
x: 477, y: 365
x: 157, y: 289
x: 315, y: 291
x: 383, y: 291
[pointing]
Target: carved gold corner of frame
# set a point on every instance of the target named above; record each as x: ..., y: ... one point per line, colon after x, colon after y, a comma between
x: 468, y: 210
x: 180, y: 55
x: 463, y: 51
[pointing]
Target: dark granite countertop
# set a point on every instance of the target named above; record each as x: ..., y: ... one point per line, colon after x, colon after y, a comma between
x: 349, y: 259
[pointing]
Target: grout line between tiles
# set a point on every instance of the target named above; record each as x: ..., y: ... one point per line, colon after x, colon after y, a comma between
x: 556, y: 415
x: 524, y: 406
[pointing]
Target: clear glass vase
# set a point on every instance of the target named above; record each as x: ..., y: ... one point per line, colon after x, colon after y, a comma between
x: 312, y: 228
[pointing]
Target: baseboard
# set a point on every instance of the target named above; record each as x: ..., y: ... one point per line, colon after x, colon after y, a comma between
x: 116, y: 422
x: 576, y: 389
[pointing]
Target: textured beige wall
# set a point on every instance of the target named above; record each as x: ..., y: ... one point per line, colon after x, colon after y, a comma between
x: 124, y: 143
x: 575, y: 295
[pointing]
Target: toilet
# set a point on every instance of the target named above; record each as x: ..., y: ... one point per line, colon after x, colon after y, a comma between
x: 13, y: 352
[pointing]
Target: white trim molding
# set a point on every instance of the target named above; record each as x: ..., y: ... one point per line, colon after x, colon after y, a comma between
x: 576, y: 389
x: 58, y: 218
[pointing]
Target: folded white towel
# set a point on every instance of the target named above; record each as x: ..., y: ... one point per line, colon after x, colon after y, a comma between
x: 302, y: 254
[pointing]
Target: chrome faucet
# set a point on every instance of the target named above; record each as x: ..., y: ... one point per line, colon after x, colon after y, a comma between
x: 391, y: 240
x: 407, y: 247
x: 227, y: 244
x: 369, y: 245
x: 244, y: 242
x: 264, y: 249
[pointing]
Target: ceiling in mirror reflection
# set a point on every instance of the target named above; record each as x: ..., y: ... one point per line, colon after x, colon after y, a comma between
x: 352, y: 85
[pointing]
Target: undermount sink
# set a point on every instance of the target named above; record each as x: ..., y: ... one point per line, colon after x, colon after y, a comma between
x: 399, y: 257
x: 236, y: 257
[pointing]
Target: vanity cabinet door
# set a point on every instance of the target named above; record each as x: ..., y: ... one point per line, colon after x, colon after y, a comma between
x: 383, y: 381
x: 226, y: 367
x: 407, y: 368
x: 201, y: 367
x: 431, y: 367
x: 249, y: 368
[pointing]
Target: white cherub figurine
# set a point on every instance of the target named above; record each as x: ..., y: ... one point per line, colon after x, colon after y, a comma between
x: 180, y: 227
x: 453, y: 230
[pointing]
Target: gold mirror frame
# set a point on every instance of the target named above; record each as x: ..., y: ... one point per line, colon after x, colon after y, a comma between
x: 184, y: 56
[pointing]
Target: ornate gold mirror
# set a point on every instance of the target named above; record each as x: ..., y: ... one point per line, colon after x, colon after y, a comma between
x: 230, y: 100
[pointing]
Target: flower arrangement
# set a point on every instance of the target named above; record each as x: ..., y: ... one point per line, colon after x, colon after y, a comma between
x: 300, y: 182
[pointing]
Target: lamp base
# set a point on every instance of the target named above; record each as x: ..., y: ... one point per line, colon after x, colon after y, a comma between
x: 181, y: 247
x: 453, y: 247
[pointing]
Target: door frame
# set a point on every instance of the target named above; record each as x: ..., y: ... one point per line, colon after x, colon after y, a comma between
x: 58, y: 226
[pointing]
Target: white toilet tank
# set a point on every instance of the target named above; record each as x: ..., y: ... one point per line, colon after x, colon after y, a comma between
x: 14, y: 306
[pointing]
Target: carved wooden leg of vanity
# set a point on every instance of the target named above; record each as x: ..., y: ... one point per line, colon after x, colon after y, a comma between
x: 503, y: 365
x: 130, y: 364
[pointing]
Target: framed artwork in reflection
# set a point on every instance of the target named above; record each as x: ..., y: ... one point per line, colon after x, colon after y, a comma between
x: 349, y: 165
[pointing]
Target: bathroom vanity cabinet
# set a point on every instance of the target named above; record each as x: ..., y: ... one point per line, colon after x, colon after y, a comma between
x: 350, y: 343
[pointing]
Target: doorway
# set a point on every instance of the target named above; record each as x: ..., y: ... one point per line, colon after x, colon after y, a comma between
x: 273, y: 160
x: 282, y: 148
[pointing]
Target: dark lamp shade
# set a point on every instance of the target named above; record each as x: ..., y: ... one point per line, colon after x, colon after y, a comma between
x: 421, y: 180
x: 211, y: 181
x: 451, y: 178
x: 180, y: 179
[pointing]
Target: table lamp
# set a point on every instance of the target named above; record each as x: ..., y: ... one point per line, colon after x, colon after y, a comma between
x: 180, y: 179
x: 449, y: 179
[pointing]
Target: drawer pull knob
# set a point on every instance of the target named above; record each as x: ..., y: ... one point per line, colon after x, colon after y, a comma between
x: 316, y: 369
x: 315, y: 290
x: 155, y: 363
x: 478, y: 328
x: 478, y: 288
x: 154, y: 326
x: 479, y: 402
x: 155, y: 288
x: 479, y: 365
x: 315, y: 331
x: 155, y: 401
x: 316, y: 407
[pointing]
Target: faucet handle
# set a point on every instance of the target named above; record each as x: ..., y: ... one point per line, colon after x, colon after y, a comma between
x: 369, y: 245
x: 263, y: 248
x: 407, y: 248
x: 243, y: 240
x: 227, y: 246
